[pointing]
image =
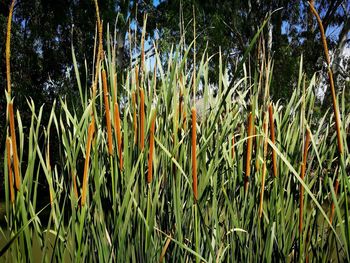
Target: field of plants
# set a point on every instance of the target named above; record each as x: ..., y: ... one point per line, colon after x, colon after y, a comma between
x: 161, y: 166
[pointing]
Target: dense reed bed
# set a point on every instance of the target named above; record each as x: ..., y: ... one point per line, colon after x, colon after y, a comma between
x: 176, y: 189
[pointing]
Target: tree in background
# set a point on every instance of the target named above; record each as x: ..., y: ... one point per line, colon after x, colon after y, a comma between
x: 43, y: 32
x: 231, y: 24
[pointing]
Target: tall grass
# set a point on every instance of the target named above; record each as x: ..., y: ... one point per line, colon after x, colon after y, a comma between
x: 144, y: 212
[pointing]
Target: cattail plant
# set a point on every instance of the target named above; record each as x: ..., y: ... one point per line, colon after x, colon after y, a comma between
x: 264, y: 167
x: 302, y: 176
x: 14, y: 146
x: 108, y: 115
x: 249, y: 151
x: 142, y: 119
x: 334, y: 101
x: 99, y: 56
x: 8, y: 47
x: 10, y: 104
x: 8, y: 149
x: 133, y: 99
x: 115, y: 88
x: 151, y: 148
x: 122, y: 209
x: 118, y: 133
x: 331, y: 81
x: 336, y: 189
x: 272, y: 133
x: 143, y: 47
x: 91, y: 130
x: 194, y: 159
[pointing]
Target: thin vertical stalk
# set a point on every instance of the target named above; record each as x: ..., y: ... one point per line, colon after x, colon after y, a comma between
x: 233, y: 147
x: 151, y: 148
x: 249, y: 152
x: 264, y: 167
x: 335, y: 108
x: 194, y: 159
x: 143, y: 47
x: 330, y: 76
x: 74, y: 178
x: 137, y: 77
x: 115, y: 88
x: 8, y: 47
x: 257, y: 145
x: 142, y: 119
x: 108, y: 114
x: 133, y: 99
x: 12, y: 192
x: 118, y: 133
x: 302, y: 175
x: 272, y: 131
x: 336, y: 188
x: 91, y: 130
x: 99, y: 51
x: 180, y: 105
x: 194, y: 139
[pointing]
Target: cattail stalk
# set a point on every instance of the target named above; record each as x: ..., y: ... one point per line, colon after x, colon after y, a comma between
x: 137, y: 77
x: 143, y: 46
x: 165, y: 248
x: 263, y: 168
x: 233, y: 147
x: 108, y: 114
x: 336, y: 188
x: 74, y: 178
x: 118, y: 133
x: 10, y: 105
x: 194, y: 159
x: 334, y: 97
x: 8, y: 47
x: 14, y: 146
x: 91, y: 130
x: 257, y: 150
x: 12, y: 192
x: 303, y: 170
x: 99, y: 56
x: 151, y: 148
x: 249, y: 151
x: 115, y: 88
x: 180, y: 104
x: 272, y: 131
x: 331, y: 81
x: 142, y: 119
x: 133, y: 99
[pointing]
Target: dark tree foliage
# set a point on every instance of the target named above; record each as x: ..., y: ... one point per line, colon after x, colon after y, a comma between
x: 43, y: 32
x: 231, y: 24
